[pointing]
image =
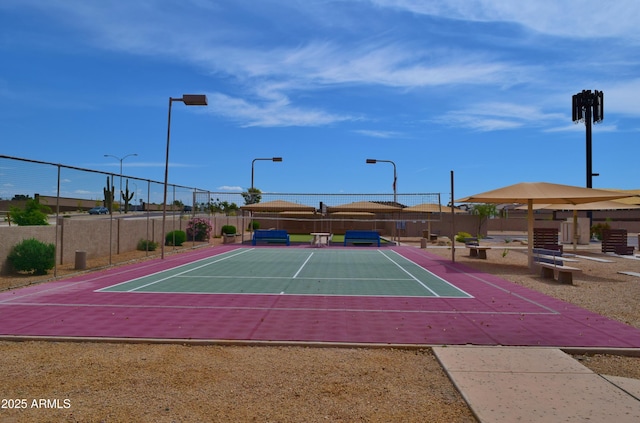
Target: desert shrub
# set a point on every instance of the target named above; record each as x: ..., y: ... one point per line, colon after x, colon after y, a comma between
x: 33, y: 214
x: 176, y: 238
x: 147, y: 245
x: 228, y: 230
x: 34, y: 256
x: 461, y: 236
x: 253, y: 226
x: 199, y: 229
x: 598, y: 229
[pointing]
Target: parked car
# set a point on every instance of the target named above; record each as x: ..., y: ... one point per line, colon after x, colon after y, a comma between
x: 99, y: 210
x: 187, y: 209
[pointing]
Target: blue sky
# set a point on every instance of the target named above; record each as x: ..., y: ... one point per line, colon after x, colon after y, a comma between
x: 479, y: 87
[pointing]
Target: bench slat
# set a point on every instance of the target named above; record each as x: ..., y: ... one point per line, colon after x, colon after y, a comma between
x: 362, y: 237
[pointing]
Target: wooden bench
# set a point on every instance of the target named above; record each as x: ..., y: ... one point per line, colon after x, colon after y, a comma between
x: 475, y: 249
x: 361, y: 238
x: 615, y: 241
x: 479, y: 251
x: 546, y: 238
x: 270, y: 236
x: 551, y: 261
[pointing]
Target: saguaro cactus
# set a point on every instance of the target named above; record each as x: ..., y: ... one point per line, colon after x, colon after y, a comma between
x: 126, y: 197
x: 109, y: 195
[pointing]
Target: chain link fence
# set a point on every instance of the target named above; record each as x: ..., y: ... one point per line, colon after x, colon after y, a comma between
x: 96, y: 218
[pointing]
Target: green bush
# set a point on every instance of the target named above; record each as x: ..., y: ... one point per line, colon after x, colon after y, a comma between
x: 176, y: 238
x: 228, y: 230
x: 253, y: 226
x: 461, y: 236
x: 33, y: 214
x: 34, y: 256
x: 598, y: 229
x: 147, y: 245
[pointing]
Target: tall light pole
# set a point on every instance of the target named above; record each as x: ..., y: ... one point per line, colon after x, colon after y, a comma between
x: 395, y: 192
x: 121, y: 159
x: 188, y: 100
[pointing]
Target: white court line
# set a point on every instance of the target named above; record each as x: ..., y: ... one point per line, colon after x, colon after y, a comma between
x: 434, y: 275
x: 327, y: 309
x: 302, y: 267
x: 315, y: 278
x: 106, y: 288
x: 188, y: 270
x: 408, y: 273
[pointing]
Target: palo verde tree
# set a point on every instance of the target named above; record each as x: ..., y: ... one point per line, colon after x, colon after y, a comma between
x: 223, y: 207
x: 484, y: 212
x: 252, y: 196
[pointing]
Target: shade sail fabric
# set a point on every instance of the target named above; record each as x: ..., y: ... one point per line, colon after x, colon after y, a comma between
x: 634, y: 196
x: 543, y: 192
x: 363, y: 206
x: 431, y: 208
x: 598, y: 205
x: 277, y: 206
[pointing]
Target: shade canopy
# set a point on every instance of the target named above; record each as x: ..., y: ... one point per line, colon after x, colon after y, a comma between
x: 277, y: 206
x: 532, y: 193
x: 363, y: 206
x: 598, y: 205
x: 431, y: 208
x: 634, y: 196
x: 543, y: 192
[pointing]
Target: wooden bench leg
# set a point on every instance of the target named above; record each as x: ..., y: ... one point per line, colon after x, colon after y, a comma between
x: 482, y: 254
x: 473, y: 252
x: 546, y: 273
x: 565, y: 277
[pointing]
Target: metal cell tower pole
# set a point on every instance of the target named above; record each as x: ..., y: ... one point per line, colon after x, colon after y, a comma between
x: 587, y: 107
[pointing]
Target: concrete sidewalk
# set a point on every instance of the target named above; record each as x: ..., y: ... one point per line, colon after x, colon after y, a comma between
x: 530, y: 384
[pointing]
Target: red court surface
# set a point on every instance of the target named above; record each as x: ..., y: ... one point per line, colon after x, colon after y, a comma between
x: 501, y: 313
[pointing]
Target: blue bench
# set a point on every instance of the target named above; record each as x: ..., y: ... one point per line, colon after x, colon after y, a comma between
x: 270, y: 236
x: 551, y: 261
x: 362, y: 237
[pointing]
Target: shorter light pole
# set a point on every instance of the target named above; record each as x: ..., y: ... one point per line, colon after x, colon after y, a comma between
x: 395, y: 192
x: 395, y: 176
x: 121, y: 159
x: 273, y: 159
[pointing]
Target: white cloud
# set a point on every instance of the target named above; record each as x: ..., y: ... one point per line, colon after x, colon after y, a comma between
x: 230, y: 188
x: 270, y: 113
x: 569, y: 18
x: 494, y: 116
x: 378, y: 133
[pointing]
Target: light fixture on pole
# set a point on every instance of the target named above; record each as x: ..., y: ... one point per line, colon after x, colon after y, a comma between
x: 395, y: 176
x: 189, y: 100
x: 273, y: 159
x: 121, y: 159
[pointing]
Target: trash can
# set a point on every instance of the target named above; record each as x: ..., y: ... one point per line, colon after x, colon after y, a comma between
x: 81, y: 260
x: 423, y: 243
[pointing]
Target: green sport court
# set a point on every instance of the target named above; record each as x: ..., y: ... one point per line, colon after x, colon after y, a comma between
x: 280, y: 271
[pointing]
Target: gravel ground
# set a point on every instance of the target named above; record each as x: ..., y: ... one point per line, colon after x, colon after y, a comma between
x: 105, y: 382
